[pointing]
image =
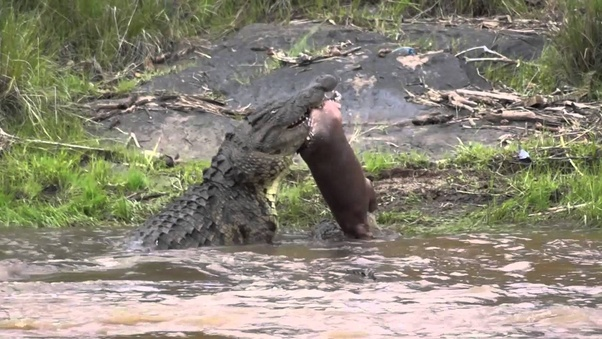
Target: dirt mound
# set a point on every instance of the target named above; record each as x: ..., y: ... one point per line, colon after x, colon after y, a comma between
x: 421, y: 197
x: 428, y: 196
x: 373, y: 87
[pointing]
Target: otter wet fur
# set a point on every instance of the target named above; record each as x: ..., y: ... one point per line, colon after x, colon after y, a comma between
x: 338, y: 172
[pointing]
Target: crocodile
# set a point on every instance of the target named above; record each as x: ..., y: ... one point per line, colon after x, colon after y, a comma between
x: 235, y: 202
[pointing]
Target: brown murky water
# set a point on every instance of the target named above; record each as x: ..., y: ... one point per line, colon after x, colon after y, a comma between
x: 67, y: 284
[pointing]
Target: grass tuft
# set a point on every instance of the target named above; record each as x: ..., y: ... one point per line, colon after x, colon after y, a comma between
x: 475, y: 8
x: 61, y: 188
x: 573, y: 56
x: 579, y: 42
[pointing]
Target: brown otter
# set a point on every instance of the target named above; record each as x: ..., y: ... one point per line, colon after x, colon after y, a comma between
x: 338, y: 173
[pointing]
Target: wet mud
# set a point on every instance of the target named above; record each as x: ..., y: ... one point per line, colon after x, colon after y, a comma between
x: 441, y: 193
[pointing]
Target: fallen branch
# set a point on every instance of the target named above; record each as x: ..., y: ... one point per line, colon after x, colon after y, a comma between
x: 173, y: 56
x: 505, y: 108
x: 304, y: 59
x: 139, y: 197
x: 432, y: 119
x: 559, y: 209
x: 480, y: 95
x: 500, y: 57
x: 176, y: 102
x: 501, y: 128
x: 105, y: 152
x: 541, y: 101
x: 321, y: 58
x: 528, y: 116
x: 458, y: 101
x: 52, y: 143
x: 555, y: 129
x: 381, y: 125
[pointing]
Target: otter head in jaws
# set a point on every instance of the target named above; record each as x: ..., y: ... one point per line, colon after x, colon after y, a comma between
x: 315, y: 116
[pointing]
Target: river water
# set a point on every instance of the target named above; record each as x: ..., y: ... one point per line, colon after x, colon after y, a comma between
x: 73, y: 283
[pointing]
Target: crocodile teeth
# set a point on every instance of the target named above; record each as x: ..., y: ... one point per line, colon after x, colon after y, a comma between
x: 311, y: 135
x: 298, y: 122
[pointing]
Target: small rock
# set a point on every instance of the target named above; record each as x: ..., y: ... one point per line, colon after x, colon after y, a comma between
x: 383, y: 52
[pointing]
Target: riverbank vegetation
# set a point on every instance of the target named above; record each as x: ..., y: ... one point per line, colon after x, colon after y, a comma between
x: 56, y: 54
x: 476, y: 187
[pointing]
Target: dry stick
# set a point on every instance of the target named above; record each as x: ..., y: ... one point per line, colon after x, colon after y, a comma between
x: 505, y: 60
x: 140, y: 197
x: 500, y: 57
x: 570, y: 160
x: 580, y: 135
x: 122, y: 38
x: 132, y: 138
x: 489, y: 95
x: 321, y: 58
x: 152, y: 153
x: 52, y: 143
x: 484, y: 48
x: 559, y: 209
x: 417, y: 16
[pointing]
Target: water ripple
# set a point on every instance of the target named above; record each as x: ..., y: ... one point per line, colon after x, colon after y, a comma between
x: 66, y: 283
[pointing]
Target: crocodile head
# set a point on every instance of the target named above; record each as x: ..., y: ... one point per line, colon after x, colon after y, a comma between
x: 283, y: 127
x: 274, y: 133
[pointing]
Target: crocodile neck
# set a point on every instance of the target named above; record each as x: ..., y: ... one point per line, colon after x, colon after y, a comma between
x: 222, y: 171
x: 225, y: 172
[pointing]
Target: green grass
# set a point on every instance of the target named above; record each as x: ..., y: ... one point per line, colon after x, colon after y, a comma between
x: 57, y: 188
x: 375, y: 162
x: 578, y: 44
x: 548, y: 190
x: 571, y: 53
x: 468, y: 7
x: 528, y: 77
x: 551, y: 191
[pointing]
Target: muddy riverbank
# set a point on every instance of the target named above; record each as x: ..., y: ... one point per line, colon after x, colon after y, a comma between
x: 239, y: 72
